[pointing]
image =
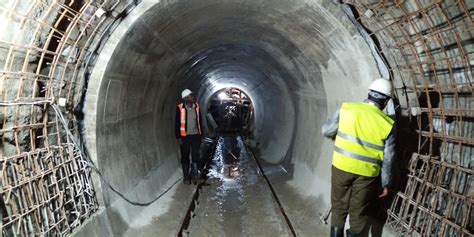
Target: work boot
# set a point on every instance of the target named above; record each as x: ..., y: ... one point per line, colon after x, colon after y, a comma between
x: 186, y: 178
x: 337, y: 232
x: 194, y: 172
x: 350, y: 234
x: 202, y: 175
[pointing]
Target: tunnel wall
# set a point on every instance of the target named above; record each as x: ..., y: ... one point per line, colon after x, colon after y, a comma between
x: 134, y: 165
x: 148, y: 60
x: 49, y: 48
x: 345, y: 75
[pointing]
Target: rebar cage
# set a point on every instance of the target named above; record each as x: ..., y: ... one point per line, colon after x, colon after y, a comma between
x: 48, y: 47
x: 429, y: 47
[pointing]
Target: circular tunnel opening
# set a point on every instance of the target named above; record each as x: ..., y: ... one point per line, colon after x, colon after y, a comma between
x: 275, y: 53
x: 230, y: 110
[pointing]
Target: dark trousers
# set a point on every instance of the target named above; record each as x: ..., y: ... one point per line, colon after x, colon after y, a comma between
x: 191, y: 144
x: 351, y: 194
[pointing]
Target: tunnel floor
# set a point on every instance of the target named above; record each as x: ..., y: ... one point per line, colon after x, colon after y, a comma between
x: 236, y: 200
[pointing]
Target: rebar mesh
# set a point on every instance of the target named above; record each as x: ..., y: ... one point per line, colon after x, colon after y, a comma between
x: 46, y: 47
x: 46, y: 186
x: 429, y: 46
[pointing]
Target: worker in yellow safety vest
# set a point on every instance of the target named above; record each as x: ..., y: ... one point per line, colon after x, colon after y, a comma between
x: 364, y: 149
x: 188, y: 132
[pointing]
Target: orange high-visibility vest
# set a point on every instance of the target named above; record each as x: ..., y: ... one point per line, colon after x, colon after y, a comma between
x: 182, y: 116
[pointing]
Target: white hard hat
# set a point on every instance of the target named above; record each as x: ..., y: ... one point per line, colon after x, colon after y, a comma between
x: 382, y: 85
x: 185, y: 93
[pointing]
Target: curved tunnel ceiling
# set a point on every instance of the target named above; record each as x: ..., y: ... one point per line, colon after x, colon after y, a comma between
x: 297, y: 60
x: 286, y: 56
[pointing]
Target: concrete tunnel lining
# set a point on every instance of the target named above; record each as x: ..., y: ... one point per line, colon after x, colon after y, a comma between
x: 287, y: 57
x: 50, y: 186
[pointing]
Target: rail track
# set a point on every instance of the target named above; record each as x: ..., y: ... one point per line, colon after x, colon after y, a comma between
x: 198, y: 193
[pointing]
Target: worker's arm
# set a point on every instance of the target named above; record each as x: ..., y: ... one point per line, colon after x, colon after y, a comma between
x: 389, y: 157
x: 177, y: 124
x: 200, y: 124
x: 330, y: 127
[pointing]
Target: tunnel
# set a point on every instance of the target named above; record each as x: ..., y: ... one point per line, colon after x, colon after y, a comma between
x: 97, y: 107
x: 207, y: 46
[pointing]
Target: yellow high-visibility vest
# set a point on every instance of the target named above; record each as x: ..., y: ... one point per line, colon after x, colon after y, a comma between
x: 359, y: 147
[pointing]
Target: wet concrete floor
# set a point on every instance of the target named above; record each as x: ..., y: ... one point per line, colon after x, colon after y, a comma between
x: 236, y: 202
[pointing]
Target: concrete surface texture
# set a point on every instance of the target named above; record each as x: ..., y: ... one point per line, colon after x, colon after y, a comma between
x: 291, y: 58
x: 236, y: 201
x: 297, y: 60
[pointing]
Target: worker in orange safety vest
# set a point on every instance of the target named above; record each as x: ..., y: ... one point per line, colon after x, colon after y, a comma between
x: 188, y: 132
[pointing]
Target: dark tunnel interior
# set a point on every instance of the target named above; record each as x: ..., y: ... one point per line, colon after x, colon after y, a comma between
x: 275, y: 52
x: 90, y: 90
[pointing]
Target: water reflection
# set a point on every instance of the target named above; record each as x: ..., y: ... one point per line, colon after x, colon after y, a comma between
x: 229, y: 173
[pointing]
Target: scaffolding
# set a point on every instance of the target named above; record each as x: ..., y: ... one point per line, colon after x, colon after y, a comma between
x: 429, y: 47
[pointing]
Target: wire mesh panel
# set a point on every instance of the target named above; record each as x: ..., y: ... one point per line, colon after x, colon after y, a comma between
x: 429, y: 47
x: 46, y: 187
x: 45, y: 52
x: 47, y: 49
x: 433, y: 202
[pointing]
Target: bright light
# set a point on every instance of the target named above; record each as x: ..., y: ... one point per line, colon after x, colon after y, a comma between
x: 222, y: 96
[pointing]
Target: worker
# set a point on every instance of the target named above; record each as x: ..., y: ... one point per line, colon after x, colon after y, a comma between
x: 364, y: 148
x: 188, y: 133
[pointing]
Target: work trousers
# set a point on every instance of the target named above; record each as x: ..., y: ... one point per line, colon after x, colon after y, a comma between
x: 351, y: 194
x: 191, y: 144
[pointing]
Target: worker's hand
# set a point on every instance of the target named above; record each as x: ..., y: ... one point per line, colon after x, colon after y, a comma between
x: 180, y: 141
x: 384, y: 192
